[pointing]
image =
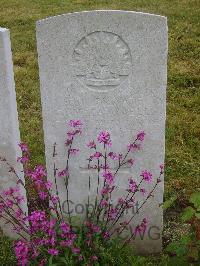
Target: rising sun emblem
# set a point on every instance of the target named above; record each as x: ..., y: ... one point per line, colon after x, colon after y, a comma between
x: 102, y: 60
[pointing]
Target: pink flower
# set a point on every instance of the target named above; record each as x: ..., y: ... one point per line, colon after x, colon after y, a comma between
x: 131, y: 161
x: 54, y: 199
x: 75, y: 123
x: 87, y: 223
x: 10, y: 191
x: 19, y: 199
x: 9, y: 203
x: 53, y: 251
x: 112, y: 214
x: 65, y: 227
x: 108, y: 177
x: 73, y: 151
x: 35, y: 253
x: 95, y: 228
x: 162, y: 168
x: 42, y: 195
x: 106, y: 235
x: 23, y: 160
x: 38, y: 183
x: 52, y: 241
x: 114, y: 156
x: 91, y: 145
x: 146, y: 175
x: 121, y: 201
x: 133, y: 147
x: 145, y: 220
x: 75, y: 250
x: 94, y: 258
x: 104, y: 137
x: 72, y: 236
x: 68, y: 142
x: 23, y: 147
x: 37, y: 220
x: 132, y: 185
x: 142, y: 227
x: 66, y: 243
x: 63, y: 173
x: 104, y: 203
x: 1, y: 208
x: 43, y: 262
x: 140, y: 135
x: 73, y: 133
x: 38, y: 172
x: 18, y: 213
x: 105, y: 190
x: 48, y: 185
x: 96, y: 155
x: 21, y: 252
x: 52, y: 223
x: 143, y: 191
x: 52, y: 233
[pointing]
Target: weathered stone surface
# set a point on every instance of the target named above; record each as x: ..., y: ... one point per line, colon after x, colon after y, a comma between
x: 9, y: 127
x: 107, y: 68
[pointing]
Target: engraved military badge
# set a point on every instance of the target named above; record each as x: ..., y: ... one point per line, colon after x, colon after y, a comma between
x: 102, y: 60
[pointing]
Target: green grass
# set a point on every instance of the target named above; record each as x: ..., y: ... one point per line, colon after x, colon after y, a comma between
x: 7, y: 257
x: 183, y: 92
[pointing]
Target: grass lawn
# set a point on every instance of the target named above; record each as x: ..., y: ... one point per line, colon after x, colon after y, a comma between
x: 183, y: 93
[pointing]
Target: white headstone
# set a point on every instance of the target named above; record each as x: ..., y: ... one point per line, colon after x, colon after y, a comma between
x: 9, y: 126
x: 108, y: 69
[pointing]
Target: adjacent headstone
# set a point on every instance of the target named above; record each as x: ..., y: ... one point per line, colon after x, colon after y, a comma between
x: 108, y: 69
x: 9, y: 126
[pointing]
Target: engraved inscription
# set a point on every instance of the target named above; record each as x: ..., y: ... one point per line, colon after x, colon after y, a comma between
x: 102, y: 59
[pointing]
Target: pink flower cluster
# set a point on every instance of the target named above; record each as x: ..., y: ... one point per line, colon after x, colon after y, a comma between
x: 12, y: 199
x: 49, y: 234
x: 104, y: 137
x: 76, y: 129
x: 142, y: 227
x: 22, y: 252
x: 108, y: 177
x: 38, y: 177
x: 115, y: 156
x: 25, y: 154
x: 147, y: 176
x: 132, y: 186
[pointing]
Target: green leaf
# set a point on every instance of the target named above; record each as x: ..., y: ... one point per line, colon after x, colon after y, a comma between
x: 181, y: 251
x: 185, y: 240
x: 63, y: 260
x: 172, y: 247
x: 195, y: 199
x: 168, y: 203
x: 50, y: 261
x: 187, y: 214
x: 177, y: 248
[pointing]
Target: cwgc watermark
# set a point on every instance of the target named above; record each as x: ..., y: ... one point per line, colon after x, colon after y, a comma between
x: 80, y: 209
x: 152, y: 232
